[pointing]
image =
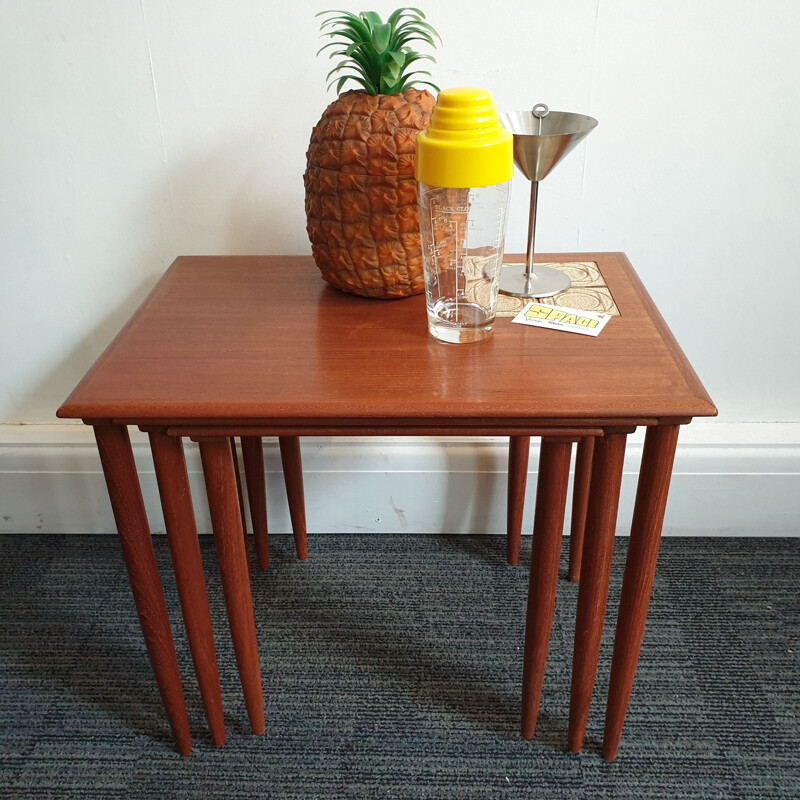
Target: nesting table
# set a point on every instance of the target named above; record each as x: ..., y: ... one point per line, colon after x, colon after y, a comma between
x: 256, y: 346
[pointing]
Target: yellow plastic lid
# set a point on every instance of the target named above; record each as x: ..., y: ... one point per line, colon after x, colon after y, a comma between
x: 465, y: 145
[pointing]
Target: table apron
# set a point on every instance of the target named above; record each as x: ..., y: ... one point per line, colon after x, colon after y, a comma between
x: 487, y: 425
x: 215, y: 431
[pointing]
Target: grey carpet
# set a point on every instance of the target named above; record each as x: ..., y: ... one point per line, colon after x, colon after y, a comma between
x: 391, y: 668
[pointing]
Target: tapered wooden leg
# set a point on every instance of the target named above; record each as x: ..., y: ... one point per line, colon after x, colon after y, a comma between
x: 119, y: 468
x: 551, y: 497
x: 237, y: 473
x: 580, y: 500
x: 238, y: 476
x: 176, y: 500
x: 609, y: 454
x: 519, y: 448
x: 227, y: 525
x: 293, y: 478
x: 253, y: 457
x: 637, y: 584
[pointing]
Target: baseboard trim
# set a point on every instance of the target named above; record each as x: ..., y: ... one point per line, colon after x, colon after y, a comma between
x: 730, y: 479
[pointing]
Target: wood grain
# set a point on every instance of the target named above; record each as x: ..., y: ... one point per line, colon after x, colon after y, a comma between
x: 519, y: 448
x: 573, y: 429
x: 187, y: 563
x: 116, y: 456
x: 598, y: 545
x: 580, y: 502
x: 658, y: 457
x: 551, y: 495
x: 238, y: 475
x: 293, y: 479
x: 253, y: 457
x: 226, y: 523
x: 261, y: 337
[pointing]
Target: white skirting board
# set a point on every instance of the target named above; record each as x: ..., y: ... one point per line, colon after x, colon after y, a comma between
x: 730, y: 479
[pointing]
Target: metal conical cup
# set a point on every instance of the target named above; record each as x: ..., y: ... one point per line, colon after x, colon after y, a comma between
x: 541, y: 139
x: 536, y: 154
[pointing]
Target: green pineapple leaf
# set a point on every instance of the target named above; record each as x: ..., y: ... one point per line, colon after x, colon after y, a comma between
x: 380, y: 37
x: 377, y: 53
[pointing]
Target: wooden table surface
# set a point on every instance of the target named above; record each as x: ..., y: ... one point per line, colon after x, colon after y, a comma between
x: 263, y: 338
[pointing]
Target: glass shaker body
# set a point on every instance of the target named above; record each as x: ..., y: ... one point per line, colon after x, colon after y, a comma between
x: 462, y: 233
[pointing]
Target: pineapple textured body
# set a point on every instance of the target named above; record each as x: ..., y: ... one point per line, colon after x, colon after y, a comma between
x: 361, y: 195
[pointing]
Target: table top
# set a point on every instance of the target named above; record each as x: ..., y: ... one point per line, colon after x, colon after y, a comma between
x: 262, y: 339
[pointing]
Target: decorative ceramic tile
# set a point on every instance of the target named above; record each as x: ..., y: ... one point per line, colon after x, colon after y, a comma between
x: 588, y: 292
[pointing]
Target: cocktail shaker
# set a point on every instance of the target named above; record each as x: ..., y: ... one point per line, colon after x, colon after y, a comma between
x: 464, y: 164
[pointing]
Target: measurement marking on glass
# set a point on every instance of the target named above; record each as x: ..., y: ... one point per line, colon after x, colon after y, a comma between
x: 449, y: 216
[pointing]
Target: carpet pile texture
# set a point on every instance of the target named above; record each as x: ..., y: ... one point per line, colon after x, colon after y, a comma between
x: 392, y: 668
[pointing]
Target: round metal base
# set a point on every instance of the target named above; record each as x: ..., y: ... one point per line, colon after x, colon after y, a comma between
x: 545, y: 281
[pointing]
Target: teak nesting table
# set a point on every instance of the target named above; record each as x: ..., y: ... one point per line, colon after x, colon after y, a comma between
x: 256, y: 346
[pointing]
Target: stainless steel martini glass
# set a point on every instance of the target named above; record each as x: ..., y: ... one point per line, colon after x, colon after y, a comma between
x: 541, y: 139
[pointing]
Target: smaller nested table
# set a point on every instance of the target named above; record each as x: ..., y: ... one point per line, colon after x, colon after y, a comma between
x: 256, y: 346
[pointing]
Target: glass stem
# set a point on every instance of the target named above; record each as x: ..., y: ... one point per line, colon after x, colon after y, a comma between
x: 531, y: 239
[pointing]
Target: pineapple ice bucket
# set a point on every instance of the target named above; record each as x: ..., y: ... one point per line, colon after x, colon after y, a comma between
x: 361, y: 195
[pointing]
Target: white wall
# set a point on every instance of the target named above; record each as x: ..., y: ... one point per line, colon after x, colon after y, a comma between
x: 51, y: 481
x: 136, y: 130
